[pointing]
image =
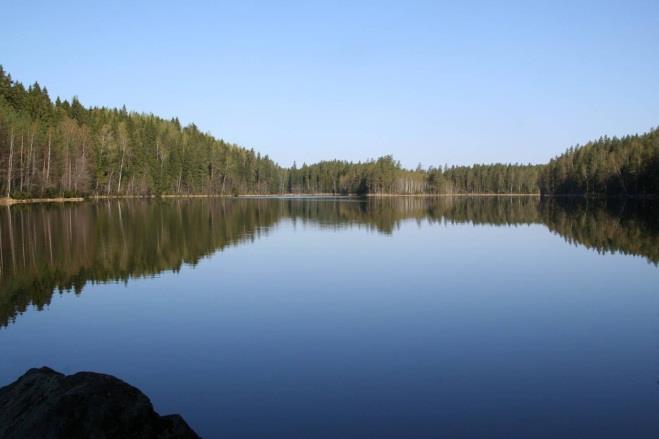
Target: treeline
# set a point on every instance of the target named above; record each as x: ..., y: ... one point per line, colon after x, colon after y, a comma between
x: 60, y: 148
x: 386, y: 176
x: 610, y: 166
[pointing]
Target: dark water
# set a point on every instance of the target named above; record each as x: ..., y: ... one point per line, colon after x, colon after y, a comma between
x: 402, y: 317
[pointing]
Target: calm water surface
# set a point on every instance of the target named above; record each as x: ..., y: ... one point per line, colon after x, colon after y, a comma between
x: 402, y: 317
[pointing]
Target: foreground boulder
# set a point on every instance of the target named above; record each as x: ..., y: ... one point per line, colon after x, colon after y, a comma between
x: 49, y: 405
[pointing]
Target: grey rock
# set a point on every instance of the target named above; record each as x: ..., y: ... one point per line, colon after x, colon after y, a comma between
x: 46, y: 404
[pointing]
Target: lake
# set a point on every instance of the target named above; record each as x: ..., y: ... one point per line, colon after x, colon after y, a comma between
x: 346, y: 317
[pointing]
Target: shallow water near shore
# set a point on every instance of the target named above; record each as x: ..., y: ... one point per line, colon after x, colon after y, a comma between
x: 396, y: 317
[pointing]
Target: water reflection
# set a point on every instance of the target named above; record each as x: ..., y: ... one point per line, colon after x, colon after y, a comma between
x: 48, y: 248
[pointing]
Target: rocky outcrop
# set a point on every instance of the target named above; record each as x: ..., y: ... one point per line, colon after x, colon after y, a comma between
x: 46, y: 404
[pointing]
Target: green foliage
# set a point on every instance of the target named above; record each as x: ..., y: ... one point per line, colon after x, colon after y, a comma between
x: 497, y: 179
x: 610, y: 166
x: 62, y: 148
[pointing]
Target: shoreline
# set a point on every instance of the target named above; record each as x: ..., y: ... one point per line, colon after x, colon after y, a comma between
x: 475, y: 194
x: 7, y: 201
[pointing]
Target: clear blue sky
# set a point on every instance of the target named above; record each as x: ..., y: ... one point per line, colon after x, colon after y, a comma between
x: 430, y: 82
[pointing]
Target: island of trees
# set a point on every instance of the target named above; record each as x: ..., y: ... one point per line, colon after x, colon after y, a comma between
x: 61, y: 148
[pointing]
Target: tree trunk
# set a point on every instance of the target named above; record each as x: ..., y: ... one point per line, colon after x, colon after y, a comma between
x: 47, y: 179
x: 121, y: 169
x: 9, y: 163
x: 109, y: 183
x: 21, y: 167
x: 30, y: 160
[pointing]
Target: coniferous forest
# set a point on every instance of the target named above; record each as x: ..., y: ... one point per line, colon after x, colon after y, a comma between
x: 61, y: 148
x: 611, y: 166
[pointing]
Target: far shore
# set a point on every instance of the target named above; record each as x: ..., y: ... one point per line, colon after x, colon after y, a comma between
x: 7, y: 201
x: 454, y: 195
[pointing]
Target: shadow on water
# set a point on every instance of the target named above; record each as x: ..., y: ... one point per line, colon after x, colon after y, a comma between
x: 49, y: 248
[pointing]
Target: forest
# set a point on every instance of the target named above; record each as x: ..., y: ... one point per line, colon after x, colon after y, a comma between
x: 610, y: 166
x: 61, y: 148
